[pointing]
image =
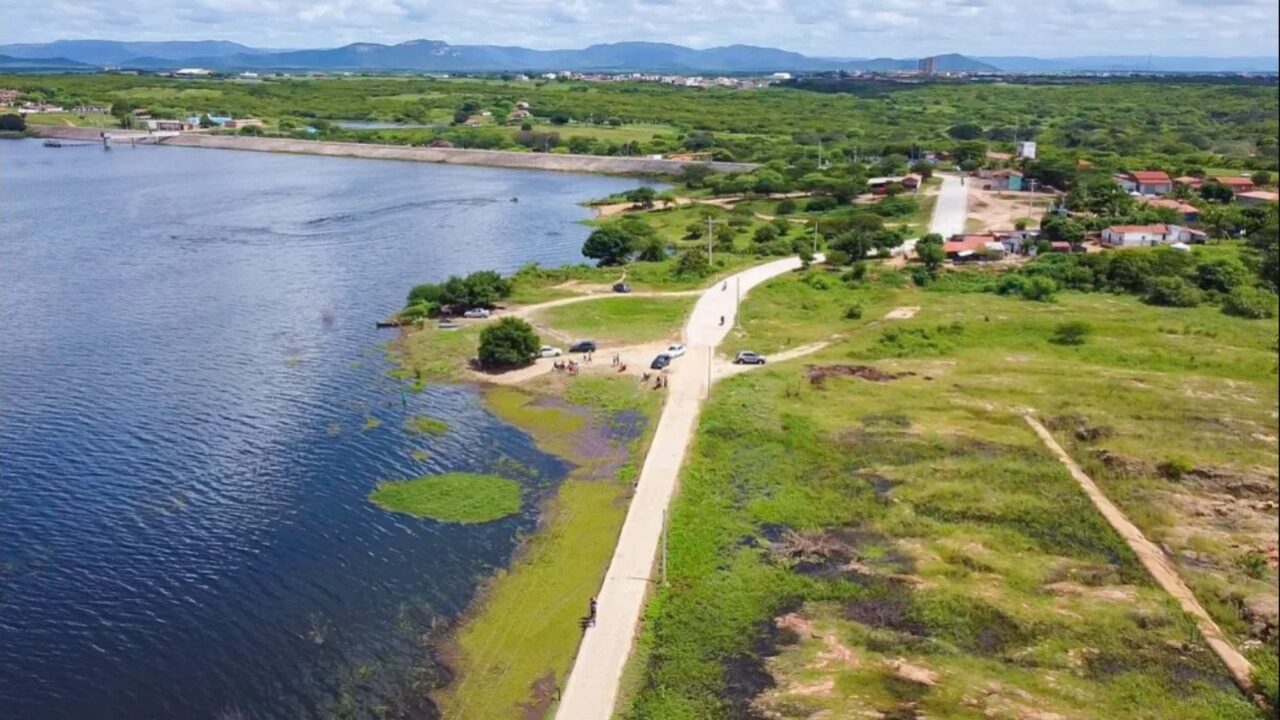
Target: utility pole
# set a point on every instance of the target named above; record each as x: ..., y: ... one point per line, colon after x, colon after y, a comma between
x: 1031, y: 199
x: 815, y: 236
x: 710, y: 237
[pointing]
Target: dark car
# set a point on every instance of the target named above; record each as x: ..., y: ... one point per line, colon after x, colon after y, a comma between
x: 621, y: 287
x: 746, y: 357
x: 584, y: 346
x: 660, y: 362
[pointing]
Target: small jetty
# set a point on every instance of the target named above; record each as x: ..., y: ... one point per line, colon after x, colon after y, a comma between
x: 390, y: 323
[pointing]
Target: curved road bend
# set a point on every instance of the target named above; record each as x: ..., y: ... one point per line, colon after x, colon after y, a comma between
x: 592, y: 687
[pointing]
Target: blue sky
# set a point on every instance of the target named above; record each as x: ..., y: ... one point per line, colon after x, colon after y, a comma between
x: 845, y: 28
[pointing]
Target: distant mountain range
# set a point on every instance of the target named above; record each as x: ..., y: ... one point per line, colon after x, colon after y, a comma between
x: 438, y: 56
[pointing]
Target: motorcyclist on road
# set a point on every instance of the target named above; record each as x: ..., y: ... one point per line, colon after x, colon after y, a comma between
x: 721, y: 319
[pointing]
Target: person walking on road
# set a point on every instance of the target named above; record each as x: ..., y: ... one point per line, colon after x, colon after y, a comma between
x: 591, y: 612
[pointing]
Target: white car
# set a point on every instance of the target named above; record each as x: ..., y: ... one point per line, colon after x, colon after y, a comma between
x: 476, y: 313
x: 548, y: 351
x: 675, y: 351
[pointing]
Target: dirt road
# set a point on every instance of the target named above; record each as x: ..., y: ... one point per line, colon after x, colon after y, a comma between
x: 592, y: 687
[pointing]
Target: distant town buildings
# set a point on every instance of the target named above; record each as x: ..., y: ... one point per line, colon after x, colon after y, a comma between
x: 928, y: 66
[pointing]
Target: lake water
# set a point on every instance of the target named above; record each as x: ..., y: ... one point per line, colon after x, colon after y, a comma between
x: 187, y: 361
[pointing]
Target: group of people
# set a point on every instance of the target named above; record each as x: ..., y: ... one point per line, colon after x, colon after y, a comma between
x: 568, y: 366
x: 658, y: 382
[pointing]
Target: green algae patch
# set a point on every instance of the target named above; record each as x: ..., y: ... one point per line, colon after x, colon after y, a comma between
x: 423, y: 425
x: 463, y: 498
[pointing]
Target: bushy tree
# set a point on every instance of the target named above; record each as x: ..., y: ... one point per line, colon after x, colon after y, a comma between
x: 12, y: 122
x: 929, y: 250
x: 642, y: 196
x: 1261, y: 178
x: 692, y: 263
x: 1172, y: 291
x: 609, y: 245
x: 1216, y: 192
x: 1072, y: 332
x: 653, y: 250
x: 1221, y: 275
x: 1039, y: 289
x: 507, y: 343
x: 1251, y: 303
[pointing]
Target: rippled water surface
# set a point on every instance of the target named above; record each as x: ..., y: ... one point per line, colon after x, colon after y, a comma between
x: 187, y: 363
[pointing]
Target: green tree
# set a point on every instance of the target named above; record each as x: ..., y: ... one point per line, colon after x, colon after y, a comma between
x: 652, y: 250
x: 13, y: 123
x: 930, y: 251
x: 1251, y: 303
x: 609, y: 245
x: 1216, y: 192
x: 692, y: 263
x: 641, y: 196
x: 1072, y: 332
x: 1221, y: 275
x: 207, y: 122
x: 508, y: 342
x: 1039, y: 289
x: 1172, y: 291
x: 1262, y: 178
x: 965, y: 131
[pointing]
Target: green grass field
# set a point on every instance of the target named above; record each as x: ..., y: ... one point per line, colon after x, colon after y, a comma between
x: 454, y: 497
x: 621, y: 319
x: 638, y: 132
x: 838, y: 529
x: 67, y: 119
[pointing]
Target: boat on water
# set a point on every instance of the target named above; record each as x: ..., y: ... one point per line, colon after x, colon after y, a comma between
x: 52, y: 143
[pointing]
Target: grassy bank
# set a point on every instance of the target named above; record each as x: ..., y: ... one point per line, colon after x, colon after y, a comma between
x: 908, y: 547
x: 621, y: 319
x: 515, y: 647
x: 454, y: 497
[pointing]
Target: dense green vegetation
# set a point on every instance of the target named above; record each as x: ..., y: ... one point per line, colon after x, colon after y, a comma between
x: 1113, y: 124
x: 454, y: 497
x: 508, y: 342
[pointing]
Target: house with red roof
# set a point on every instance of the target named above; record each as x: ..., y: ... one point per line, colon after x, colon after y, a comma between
x: 966, y: 248
x: 1190, y: 181
x: 1145, y: 182
x: 1257, y: 197
x: 1189, y: 213
x: 1237, y: 184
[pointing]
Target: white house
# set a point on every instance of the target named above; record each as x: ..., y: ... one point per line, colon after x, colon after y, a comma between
x: 1149, y: 235
x: 1145, y: 182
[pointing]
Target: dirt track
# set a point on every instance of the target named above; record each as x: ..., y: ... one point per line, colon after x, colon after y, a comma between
x: 1151, y: 557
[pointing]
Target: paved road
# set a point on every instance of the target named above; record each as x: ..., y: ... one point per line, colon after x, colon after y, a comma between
x: 592, y: 687
x: 952, y: 209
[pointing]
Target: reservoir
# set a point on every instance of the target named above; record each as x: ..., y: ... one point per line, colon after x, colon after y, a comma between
x: 194, y: 404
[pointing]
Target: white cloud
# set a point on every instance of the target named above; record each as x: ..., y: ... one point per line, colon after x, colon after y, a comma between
x: 903, y: 28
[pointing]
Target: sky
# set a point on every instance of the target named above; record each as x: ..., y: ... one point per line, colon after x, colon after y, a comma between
x: 828, y: 28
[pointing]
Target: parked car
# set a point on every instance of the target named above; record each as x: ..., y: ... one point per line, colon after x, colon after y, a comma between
x: 660, y: 362
x: 621, y: 287
x: 676, y: 351
x: 549, y: 351
x: 746, y: 357
x: 583, y: 346
x: 477, y: 313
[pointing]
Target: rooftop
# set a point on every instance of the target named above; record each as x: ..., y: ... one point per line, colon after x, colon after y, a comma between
x: 1151, y: 176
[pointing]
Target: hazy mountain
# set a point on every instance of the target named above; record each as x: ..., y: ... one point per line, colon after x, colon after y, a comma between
x: 57, y: 64
x: 434, y: 55
x: 1140, y: 63
x: 112, y: 52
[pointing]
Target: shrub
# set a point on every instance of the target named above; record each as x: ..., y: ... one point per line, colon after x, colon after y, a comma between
x: 786, y: 207
x: 1221, y: 275
x: 1173, y: 292
x: 855, y: 273
x: 765, y: 234
x: 508, y: 342
x: 822, y: 203
x: 1251, y: 303
x: 1039, y: 289
x: 1070, y: 333
x: 853, y: 312
x: 1175, y: 467
x: 1010, y: 285
x: 692, y: 263
x: 817, y: 281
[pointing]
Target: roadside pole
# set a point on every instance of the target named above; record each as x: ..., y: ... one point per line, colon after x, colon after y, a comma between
x: 664, y: 547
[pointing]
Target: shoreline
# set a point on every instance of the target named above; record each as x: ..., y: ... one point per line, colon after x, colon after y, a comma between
x: 593, y: 164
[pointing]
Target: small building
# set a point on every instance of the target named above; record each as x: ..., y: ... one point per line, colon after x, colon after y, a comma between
x: 999, y: 156
x: 972, y: 248
x: 1005, y: 179
x: 1189, y: 180
x: 1189, y: 213
x: 1118, y: 236
x: 1025, y: 149
x: 163, y: 125
x: 1257, y: 197
x: 8, y: 97
x: 1145, y: 182
x: 235, y: 123
x: 192, y: 72
x: 91, y: 110
x: 1237, y: 184
x: 911, y: 182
